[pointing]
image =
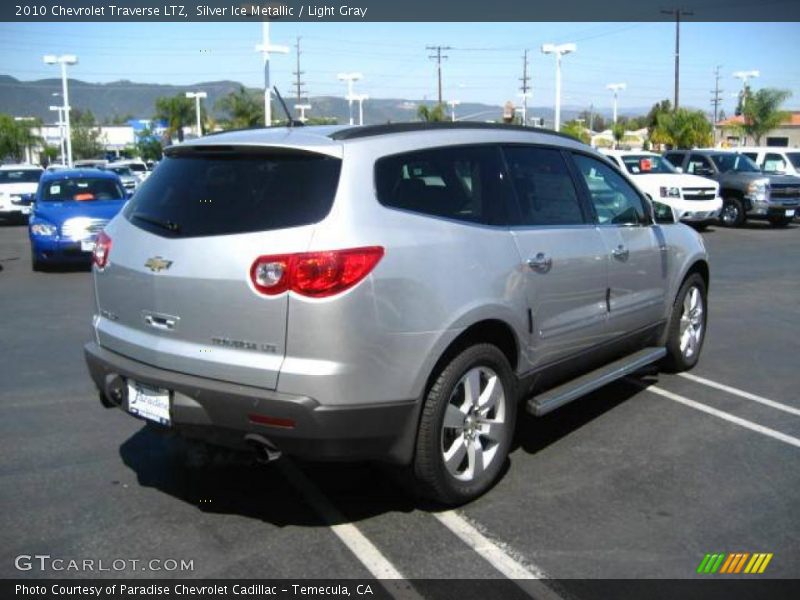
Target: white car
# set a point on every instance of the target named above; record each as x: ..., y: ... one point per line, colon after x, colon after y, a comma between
x: 694, y: 199
x: 780, y: 161
x: 16, y: 182
x: 138, y: 167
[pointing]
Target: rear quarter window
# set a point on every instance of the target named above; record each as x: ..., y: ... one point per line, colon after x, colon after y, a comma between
x: 222, y: 193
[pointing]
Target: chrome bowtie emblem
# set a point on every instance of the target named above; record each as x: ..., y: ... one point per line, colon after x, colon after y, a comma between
x: 156, y: 264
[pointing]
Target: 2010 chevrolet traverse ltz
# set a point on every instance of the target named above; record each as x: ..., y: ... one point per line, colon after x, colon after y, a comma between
x: 386, y: 292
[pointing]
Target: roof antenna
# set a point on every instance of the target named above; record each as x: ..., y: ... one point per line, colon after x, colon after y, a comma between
x: 289, y: 118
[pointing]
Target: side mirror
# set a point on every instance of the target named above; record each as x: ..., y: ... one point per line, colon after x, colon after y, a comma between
x: 664, y: 214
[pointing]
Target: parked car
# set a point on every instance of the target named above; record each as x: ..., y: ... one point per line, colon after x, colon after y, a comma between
x: 781, y: 161
x: 18, y: 184
x: 139, y: 167
x: 387, y: 292
x: 126, y: 176
x: 695, y: 199
x: 71, y: 208
x: 746, y: 191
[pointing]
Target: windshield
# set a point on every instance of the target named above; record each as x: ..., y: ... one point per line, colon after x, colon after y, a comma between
x: 794, y: 158
x: 644, y: 164
x: 124, y: 171
x: 734, y: 162
x: 82, y: 190
x: 20, y: 175
x: 139, y: 167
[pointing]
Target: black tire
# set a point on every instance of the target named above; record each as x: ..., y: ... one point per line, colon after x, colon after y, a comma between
x: 780, y: 221
x: 700, y: 226
x: 432, y: 477
x: 732, y: 213
x: 677, y: 359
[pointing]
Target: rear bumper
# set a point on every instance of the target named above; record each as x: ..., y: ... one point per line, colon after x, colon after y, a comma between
x: 221, y: 413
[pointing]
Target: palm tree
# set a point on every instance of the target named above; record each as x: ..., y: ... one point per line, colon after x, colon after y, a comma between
x: 430, y: 114
x: 682, y: 128
x: 762, y: 112
x: 177, y: 111
x: 242, y: 107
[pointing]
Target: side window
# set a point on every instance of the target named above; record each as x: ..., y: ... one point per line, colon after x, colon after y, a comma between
x: 615, y: 200
x: 676, y: 158
x: 544, y: 188
x: 699, y: 165
x: 774, y: 163
x: 461, y: 182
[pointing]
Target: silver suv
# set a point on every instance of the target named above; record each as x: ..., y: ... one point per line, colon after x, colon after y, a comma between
x: 389, y: 292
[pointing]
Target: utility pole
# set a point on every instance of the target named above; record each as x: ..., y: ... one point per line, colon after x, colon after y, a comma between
x: 297, y: 81
x: 678, y: 13
x: 525, y: 88
x: 265, y: 48
x: 716, y: 100
x: 438, y: 57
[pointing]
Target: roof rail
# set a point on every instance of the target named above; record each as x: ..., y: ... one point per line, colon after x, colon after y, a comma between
x: 351, y: 133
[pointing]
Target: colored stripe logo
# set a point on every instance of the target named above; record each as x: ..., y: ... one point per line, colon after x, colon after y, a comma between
x: 734, y: 563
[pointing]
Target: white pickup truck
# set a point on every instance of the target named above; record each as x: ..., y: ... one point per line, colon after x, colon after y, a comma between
x: 694, y: 199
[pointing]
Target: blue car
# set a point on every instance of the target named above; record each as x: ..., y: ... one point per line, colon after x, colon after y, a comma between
x: 70, y: 208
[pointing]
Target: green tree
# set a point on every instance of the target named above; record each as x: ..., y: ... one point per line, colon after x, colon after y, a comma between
x: 50, y: 153
x: 177, y: 111
x: 148, y: 145
x: 16, y: 136
x: 593, y: 120
x: 431, y: 114
x: 651, y: 120
x: 85, y: 134
x: 683, y: 128
x: 618, y: 132
x: 243, y: 109
x: 762, y: 112
x: 576, y: 129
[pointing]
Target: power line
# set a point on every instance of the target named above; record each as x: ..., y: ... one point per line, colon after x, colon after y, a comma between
x: 438, y: 57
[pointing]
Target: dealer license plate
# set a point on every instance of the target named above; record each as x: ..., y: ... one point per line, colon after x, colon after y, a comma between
x: 790, y: 212
x: 148, y: 402
x: 87, y: 245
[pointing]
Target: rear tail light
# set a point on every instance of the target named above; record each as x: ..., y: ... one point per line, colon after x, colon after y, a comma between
x: 102, y: 248
x: 314, y: 274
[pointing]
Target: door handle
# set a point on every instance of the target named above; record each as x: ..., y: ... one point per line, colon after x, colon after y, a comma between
x: 621, y: 253
x: 541, y: 263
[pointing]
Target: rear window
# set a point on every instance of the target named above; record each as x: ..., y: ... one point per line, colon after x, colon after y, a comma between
x: 20, y: 176
x: 228, y: 193
x: 82, y: 189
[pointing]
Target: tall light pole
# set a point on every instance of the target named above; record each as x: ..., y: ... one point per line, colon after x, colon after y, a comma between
x: 360, y: 99
x: 60, y: 132
x: 302, y: 108
x: 615, y: 87
x: 349, y: 78
x: 197, y: 97
x: 744, y: 76
x: 453, y: 104
x: 265, y: 48
x: 64, y: 60
x: 559, y: 50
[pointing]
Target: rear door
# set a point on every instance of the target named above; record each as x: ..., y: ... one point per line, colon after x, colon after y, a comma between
x: 637, y: 271
x: 563, y: 258
x: 177, y: 292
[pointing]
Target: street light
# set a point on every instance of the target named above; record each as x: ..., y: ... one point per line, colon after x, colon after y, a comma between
x: 615, y: 87
x: 360, y: 99
x: 744, y: 76
x: 349, y: 78
x: 453, y: 104
x: 60, y: 132
x: 559, y: 50
x: 64, y: 60
x: 197, y: 96
x: 302, y: 108
x: 265, y: 48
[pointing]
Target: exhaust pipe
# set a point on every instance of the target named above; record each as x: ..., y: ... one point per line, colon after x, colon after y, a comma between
x: 265, y: 450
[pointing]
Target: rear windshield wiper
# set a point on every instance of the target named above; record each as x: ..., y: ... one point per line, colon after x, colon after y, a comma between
x: 168, y: 225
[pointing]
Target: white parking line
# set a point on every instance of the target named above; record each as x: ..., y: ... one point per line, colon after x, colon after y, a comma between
x: 741, y: 393
x: 525, y: 577
x: 364, y: 550
x: 787, y: 439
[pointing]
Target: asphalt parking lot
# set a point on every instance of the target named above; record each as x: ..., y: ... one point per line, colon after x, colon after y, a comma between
x: 638, y: 480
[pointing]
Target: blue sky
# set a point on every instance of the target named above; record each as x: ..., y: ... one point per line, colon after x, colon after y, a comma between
x: 483, y: 66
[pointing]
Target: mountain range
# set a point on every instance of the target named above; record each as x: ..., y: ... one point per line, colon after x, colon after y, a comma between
x: 127, y: 98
